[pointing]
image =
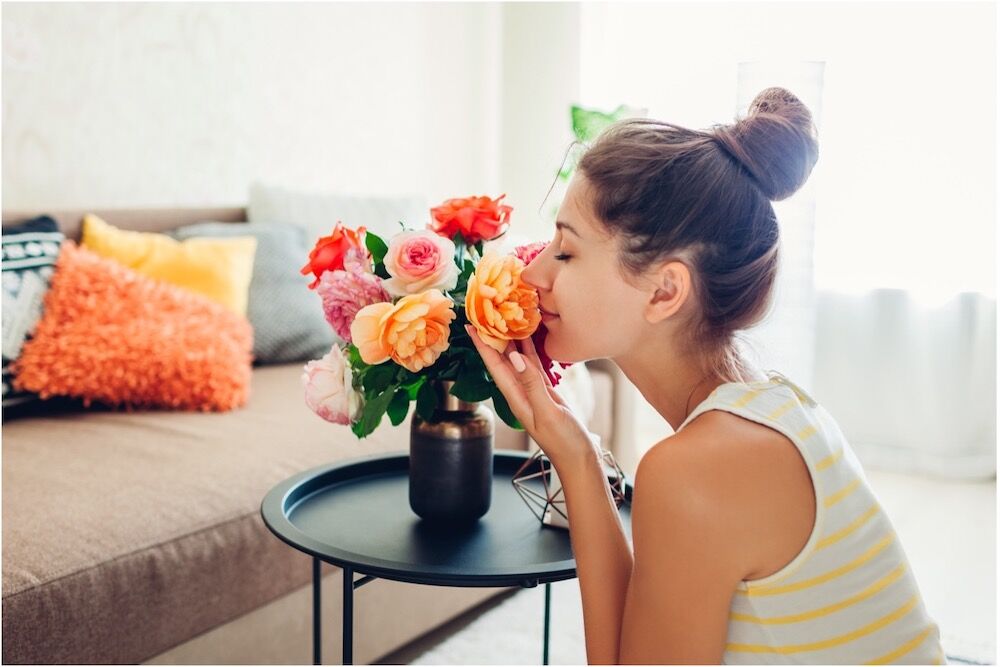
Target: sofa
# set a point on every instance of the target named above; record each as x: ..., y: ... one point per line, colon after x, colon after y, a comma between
x: 136, y: 536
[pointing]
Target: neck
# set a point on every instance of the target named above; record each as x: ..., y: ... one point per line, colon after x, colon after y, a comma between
x: 674, y: 386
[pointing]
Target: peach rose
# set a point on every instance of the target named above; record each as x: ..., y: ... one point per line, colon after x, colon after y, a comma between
x: 498, y: 303
x: 413, y: 332
x: 418, y: 261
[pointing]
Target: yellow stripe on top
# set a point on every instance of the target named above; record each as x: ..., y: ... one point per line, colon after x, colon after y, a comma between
x: 847, y: 530
x: 834, y: 641
x: 902, y: 650
x: 746, y: 398
x: 830, y: 460
x: 791, y: 403
x: 823, y: 611
x: 830, y: 501
x: 807, y: 432
x: 832, y: 574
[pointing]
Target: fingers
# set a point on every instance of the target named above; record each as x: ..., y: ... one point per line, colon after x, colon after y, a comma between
x: 503, y: 375
x: 528, y: 347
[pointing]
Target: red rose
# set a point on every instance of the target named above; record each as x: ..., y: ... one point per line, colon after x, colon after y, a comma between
x: 328, y: 254
x: 476, y: 218
x: 538, y: 340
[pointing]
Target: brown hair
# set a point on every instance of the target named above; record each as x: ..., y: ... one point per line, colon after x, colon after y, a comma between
x: 704, y: 197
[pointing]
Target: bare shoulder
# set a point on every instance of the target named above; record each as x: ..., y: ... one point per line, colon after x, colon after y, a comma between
x: 750, y: 478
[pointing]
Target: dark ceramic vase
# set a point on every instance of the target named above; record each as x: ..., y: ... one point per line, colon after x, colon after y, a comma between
x: 451, y: 460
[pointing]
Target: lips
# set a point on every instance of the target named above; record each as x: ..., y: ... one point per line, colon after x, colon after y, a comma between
x: 546, y: 315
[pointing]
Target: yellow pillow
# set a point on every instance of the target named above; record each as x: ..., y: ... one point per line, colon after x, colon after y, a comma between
x: 220, y: 269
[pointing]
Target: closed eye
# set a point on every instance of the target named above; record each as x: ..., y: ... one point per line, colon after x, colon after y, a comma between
x: 562, y: 257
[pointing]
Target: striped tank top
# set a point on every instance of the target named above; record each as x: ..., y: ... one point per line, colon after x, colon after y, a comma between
x: 849, y: 597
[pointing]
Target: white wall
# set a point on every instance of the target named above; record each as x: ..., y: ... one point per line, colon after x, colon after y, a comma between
x: 164, y: 104
x: 541, y: 80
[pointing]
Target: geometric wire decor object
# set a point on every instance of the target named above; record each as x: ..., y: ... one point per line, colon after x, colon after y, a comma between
x: 538, y: 485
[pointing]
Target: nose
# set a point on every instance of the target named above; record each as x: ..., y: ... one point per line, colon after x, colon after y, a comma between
x: 533, y: 273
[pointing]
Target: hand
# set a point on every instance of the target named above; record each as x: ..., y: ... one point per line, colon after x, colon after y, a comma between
x: 543, y: 412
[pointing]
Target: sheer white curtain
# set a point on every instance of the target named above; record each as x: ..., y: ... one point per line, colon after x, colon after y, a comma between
x: 886, y: 308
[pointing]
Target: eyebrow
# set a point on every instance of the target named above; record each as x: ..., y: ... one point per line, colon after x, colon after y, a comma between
x: 565, y: 225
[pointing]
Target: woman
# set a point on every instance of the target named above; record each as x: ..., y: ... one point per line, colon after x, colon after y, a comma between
x: 756, y: 537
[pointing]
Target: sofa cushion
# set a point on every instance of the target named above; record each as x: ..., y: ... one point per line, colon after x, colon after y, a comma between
x: 30, y: 251
x: 125, y: 534
x: 113, y: 335
x: 220, y: 269
x: 318, y: 212
x: 287, y: 317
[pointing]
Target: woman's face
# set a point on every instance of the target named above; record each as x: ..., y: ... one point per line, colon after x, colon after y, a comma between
x: 595, y: 314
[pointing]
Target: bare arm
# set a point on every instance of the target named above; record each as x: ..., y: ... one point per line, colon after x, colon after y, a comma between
x: 602, y: 552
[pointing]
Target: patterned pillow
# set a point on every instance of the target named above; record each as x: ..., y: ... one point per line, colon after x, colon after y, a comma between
x: 115, y: 336
x: 287, y: 318
x: 29, y: 251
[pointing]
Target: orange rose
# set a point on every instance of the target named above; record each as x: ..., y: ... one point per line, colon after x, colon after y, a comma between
x: 413, y: 332
x: 477, y: 218
x: 328, y: 254
x: 498, y: 303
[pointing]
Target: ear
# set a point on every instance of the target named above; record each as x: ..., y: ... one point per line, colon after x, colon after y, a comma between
x: 671, y: 291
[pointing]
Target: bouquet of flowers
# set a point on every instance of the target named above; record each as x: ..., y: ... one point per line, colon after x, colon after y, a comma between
x: 401, y: 308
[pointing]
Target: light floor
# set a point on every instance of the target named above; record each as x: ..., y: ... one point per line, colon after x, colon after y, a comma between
x: 947, y: 528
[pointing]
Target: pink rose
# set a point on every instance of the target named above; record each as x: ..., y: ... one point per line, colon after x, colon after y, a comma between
x: 418, y: 261
x: 328, y: 389
x: 346, y: 292
x: 528, y: 252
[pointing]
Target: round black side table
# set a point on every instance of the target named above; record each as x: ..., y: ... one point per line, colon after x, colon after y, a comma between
x: 356, y: 515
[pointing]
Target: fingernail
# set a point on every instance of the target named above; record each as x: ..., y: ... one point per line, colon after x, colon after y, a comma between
x: 515, y: 358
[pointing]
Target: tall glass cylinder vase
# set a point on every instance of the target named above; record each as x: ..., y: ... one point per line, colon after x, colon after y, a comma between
x: 451, y: 460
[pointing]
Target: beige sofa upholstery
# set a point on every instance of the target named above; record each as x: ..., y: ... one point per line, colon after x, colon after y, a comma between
x: 136, y: 537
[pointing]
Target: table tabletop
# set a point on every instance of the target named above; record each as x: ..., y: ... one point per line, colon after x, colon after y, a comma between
x: 356, y: 513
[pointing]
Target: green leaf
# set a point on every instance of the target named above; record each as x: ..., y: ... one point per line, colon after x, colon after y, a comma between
x: 371, y: 416
x: 399, y: 406
x: 354, y: 356
x: 379, y: 377
x: 503, y: 409
x: 414, y: 387
x: 472, y: 384
x: 479, y: 248
x: 376, y: 246
x: 459, y: 248
x: 427, y: 401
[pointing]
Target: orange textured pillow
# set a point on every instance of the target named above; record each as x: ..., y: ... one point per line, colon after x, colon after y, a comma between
x: 113, y: 335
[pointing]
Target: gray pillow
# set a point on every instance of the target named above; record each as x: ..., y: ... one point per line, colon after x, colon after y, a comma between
x: 287, y: 316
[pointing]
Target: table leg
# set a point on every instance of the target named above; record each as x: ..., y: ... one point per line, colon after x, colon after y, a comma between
x: 348, y: 616
x: 545, y: 640
x: 317, y: 634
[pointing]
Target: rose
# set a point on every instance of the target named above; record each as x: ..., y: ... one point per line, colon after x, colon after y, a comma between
x: 526, y: 253
x: 413, y: 332
x: 477, y: 218
x: 329, y: 251
x: 328, y: 388
x: 418, y: 261
x: 498, y: 303
x: 346, y: 292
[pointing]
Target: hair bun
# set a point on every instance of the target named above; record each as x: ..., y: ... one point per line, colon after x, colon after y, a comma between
x: 776, y: 142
